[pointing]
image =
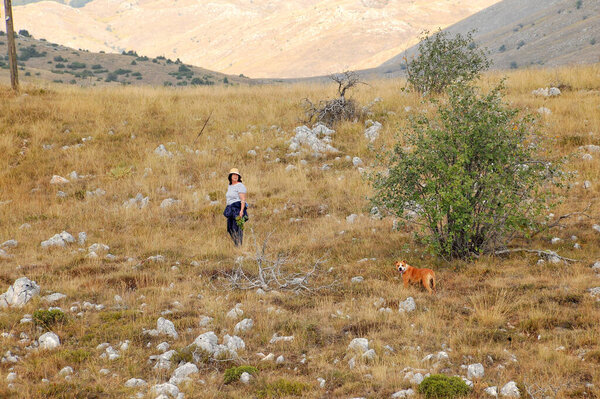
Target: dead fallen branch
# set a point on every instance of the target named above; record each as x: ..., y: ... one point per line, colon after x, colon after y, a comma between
x: 557, y: 221
x: 275, y: 274
x: 548, y: 255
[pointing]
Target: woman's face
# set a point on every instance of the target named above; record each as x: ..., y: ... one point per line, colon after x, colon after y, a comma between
x: 234, y: 178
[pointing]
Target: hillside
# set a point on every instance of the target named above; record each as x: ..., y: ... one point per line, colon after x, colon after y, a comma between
x: 136, y: 287
x: 259, y: 38
x: 42, y: 61
x: 521, y: 33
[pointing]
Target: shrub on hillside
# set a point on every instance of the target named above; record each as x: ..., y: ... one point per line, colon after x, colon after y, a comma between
x: 472, y: 174
x: 24, y: 33
x: 76, y: 65
x: 439, y: 386
x: 443, y: 60
x: 48, y: 318
x: 330, y: 112
x: 233, y: 374
x: 58, y: 58
x: 30, y: 52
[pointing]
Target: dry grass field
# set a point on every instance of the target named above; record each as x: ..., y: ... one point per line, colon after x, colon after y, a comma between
x: 528, y: 322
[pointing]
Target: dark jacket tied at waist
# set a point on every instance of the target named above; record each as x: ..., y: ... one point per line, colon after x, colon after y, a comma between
x: 233, y: 210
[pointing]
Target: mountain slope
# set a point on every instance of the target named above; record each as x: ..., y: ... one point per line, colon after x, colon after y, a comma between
x: 519, y: 33
x: 259, y: 38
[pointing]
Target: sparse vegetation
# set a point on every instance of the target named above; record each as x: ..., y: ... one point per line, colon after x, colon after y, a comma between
x: 48, y: 318
x: 281, y: 388
x: 233, y: 374
x: 25, y: 53
x: 76, y: 65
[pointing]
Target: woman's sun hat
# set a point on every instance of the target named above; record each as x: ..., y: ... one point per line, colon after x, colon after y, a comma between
x: 234, y: 170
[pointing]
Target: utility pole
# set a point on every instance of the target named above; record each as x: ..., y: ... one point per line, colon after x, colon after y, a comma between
x: 12, y: 52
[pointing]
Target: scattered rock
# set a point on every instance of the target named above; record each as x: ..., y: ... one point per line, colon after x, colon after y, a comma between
x: 372, y: 132
x: 595, y: 292
x: 475, y: 371
x: 587, y: 184
x: 590, y: 148
x: 357, y: 279
x: 596, y: 267
x: 556, y: 240
x: 587, y: 157
x: 58, y: 240
x: 161, y: 151
x: 317, y: 139
x: 182, y: 373
x: 275, y: 339
x: 235, y: 312
x: 369, y: 355
x: 408, y: 305
x: 58, y: 180
x: 351, y: 218
x: 244, y: 326
x: 356, y: 161
x: 245, y: 378
x: 18, y: 294
x: 139, y: 201
x: 596, y: 227
x: 280, y: 359
x: 359, y: 344
x: 166, y: 203
x: 510, y: 390
x: 166, y: 389
x: 205, y: 321
x: 49, y: 340
x: 544, y: 111
x: 68, y: 370
x: 492, y: 391
x: 135, y: 383
x: 9, y: 244
x: 405, y: 393
x: 57, y: 296
x: 321, y: 382
x: 164, y: 326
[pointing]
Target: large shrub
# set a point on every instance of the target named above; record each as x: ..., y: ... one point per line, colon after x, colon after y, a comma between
x: 471, y: 175
x: 443, y: 60
x: 439, y: 386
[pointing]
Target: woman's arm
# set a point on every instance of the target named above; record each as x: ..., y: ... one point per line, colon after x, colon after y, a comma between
x: 243, y: 200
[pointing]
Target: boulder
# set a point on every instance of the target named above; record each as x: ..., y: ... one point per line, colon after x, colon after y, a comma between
x: 135, y: 383
x: 182, y: 373
x: 164, y: 326
x: 18, y: 294
x: 359, y: 344
x: 49, y: 340
x: 161, y: 151
x: 58, y: 240
x: 405, y: 393
x: 372, y: 132
x: 58, y: 180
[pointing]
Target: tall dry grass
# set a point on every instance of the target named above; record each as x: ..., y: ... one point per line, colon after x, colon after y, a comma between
x: 510, y: 314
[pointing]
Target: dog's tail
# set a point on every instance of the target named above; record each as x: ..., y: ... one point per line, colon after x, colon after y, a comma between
x: 431, y: 282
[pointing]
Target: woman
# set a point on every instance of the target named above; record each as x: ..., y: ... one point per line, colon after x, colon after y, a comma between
x: 235, y: 211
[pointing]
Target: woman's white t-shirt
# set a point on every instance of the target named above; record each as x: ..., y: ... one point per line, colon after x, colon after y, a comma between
x: 234, y: 191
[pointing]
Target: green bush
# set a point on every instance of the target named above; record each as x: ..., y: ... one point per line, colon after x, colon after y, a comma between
x: 76, y: 65
x: 472, y: 175
x: 48, y: 318
x: 58, y: 58
x: 443, y: 60
x: 233, y: 374
x: 439, y: 386
x: 281, y: 388
x: 30, y: 52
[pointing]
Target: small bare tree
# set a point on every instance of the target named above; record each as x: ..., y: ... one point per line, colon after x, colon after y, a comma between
x: 329, y: 112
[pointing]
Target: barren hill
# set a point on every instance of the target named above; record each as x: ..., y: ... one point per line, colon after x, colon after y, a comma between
x: 259, y: 38
x: 520, y: 33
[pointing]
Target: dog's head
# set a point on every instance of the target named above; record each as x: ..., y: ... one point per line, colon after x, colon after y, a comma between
x: 401, y: 266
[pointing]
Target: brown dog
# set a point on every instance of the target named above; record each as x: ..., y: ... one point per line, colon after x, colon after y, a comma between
x: 410, y: 274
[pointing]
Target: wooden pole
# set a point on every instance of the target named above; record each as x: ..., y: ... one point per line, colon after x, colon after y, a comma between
x: 12, y: 52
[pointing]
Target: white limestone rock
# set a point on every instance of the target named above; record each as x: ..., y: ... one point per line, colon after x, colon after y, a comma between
x: 57, y: 296
x: 276, y: 338
x: 167, y: 389
x: 408, y: 305
x: 510, y: 390
x: 475, y: 371
x: 245, y: 378
x: 359, y: 344
x: 139, y: 202
x: 58, y: 240
x: 135, y: 383
x: 49, y: 341
x: 56, y: 179
x: 235, y: 312
x: 182, y: 373
x: 234, y: 343
x: 207, y: 342
x: 169, y: 202
x: 492, y: 391
x: 162, y: 151
x: 372, y: 132
x: 164, y: 326
x: 21, y: 292
x: 9, y: 244
x: 405, y: 393
x: 244, y: 326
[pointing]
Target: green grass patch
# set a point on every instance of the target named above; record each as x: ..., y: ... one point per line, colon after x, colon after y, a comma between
x: 233, y: 374
x: 439, y: 386
x: 49, y: 318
